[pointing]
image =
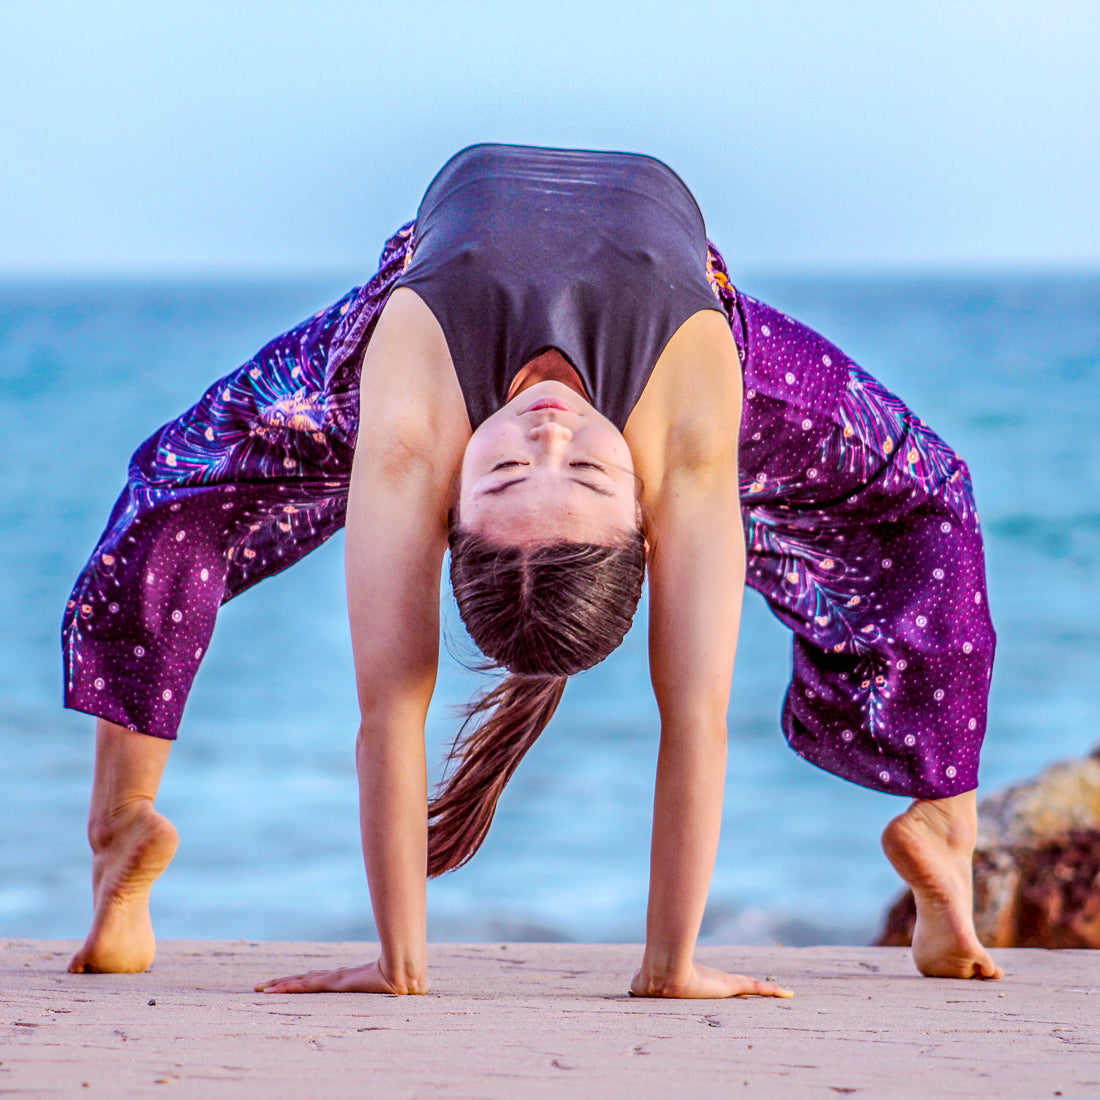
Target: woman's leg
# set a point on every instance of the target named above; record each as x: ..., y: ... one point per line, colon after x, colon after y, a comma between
x: 931, y: 846
x: 131, y: 843
x: 238, y: 488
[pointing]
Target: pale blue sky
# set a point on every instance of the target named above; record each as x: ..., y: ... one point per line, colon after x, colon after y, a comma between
x: 245, y: 136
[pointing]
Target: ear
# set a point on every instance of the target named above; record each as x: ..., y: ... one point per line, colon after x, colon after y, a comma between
x: 642, y: 517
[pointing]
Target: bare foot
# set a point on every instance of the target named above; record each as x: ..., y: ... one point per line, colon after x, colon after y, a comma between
x: 931, y: 846
x: 129, y: 856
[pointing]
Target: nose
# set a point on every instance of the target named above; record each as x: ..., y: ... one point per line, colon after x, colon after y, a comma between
x: 551, y: 436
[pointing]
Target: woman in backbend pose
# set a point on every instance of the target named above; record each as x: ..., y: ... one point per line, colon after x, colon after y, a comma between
x: 549, y: 354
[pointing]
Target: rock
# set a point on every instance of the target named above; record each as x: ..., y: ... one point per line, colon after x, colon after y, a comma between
x: 1036, y: 865
x: 1058, y: 903
x: 1064, y: 797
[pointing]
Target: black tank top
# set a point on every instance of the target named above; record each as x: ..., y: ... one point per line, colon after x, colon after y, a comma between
x: 518, y: 250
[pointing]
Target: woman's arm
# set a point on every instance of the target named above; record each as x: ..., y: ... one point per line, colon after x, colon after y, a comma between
x: 697, y: 577
x: 405, y: 462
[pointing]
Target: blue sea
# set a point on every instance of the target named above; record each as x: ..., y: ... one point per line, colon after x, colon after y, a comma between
x: 261, y: 783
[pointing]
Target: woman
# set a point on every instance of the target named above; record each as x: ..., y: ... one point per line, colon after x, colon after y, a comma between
x: 550, y: 355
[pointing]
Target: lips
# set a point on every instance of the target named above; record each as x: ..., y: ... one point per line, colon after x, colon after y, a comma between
x: 548, y: 403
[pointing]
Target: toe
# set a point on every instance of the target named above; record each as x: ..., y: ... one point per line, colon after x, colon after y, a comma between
x: 987, y: 970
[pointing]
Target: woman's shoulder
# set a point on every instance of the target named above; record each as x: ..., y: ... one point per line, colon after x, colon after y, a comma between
x: 689, y: 414
x: 409, y: 396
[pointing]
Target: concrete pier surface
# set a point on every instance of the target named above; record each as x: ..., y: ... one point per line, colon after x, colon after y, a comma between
x: 533, y: 1021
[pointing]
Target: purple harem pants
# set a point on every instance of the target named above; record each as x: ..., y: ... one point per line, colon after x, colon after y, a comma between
x: 860, y: 525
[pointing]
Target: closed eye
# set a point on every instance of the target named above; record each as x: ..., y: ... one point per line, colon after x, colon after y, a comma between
x: 587, y: 465
x: 508, y: 463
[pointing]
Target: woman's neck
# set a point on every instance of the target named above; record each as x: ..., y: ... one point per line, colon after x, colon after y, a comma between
x: 550, y: 366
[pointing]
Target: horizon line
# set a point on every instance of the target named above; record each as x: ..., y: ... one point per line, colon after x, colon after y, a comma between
x: 351, y: 277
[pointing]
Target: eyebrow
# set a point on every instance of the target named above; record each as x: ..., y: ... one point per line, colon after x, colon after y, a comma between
x: 516, y: 481
x: 502, y: 486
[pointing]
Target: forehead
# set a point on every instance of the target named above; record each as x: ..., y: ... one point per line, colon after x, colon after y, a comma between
x: 545, y: 509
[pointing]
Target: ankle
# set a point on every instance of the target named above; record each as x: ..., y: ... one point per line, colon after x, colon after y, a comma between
x: 952, y: 821
x: 107, y: 826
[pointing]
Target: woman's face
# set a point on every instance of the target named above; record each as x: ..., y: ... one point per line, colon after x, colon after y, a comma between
x: 547, y: 466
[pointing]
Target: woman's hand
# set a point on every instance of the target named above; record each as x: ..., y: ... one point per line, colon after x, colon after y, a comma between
x: 345, y: 979
x: 706, y: 982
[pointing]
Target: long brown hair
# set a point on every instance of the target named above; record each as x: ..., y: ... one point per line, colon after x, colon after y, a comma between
x: 542, y: 613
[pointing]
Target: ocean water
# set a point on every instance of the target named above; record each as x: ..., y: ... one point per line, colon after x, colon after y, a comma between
x: 261, y: 782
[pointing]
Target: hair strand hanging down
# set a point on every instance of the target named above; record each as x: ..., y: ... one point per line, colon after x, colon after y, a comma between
x: 543, y: 613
